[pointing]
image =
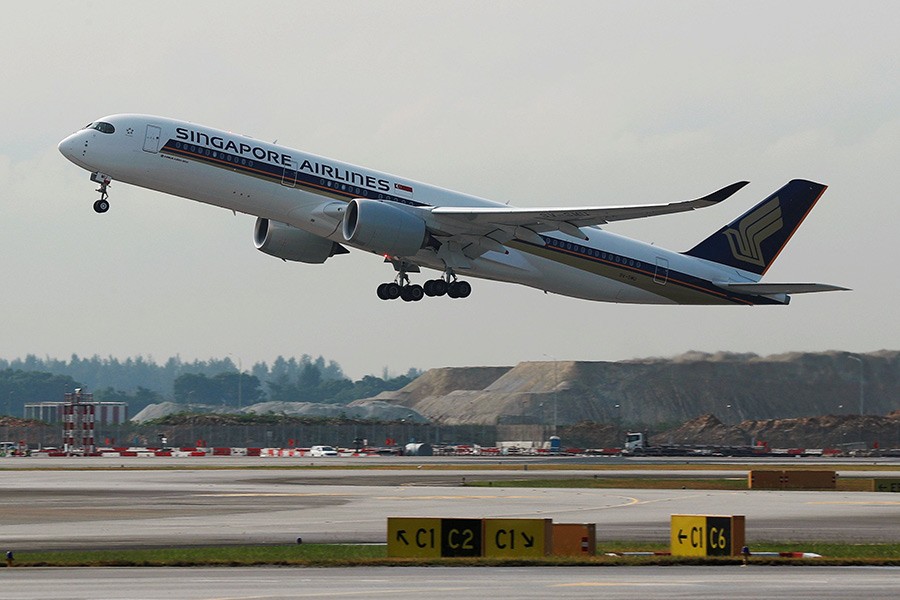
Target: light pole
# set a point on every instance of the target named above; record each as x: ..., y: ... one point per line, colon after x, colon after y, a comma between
x: 862, y: 398
x: 240, y: 372
x: 555, y: 391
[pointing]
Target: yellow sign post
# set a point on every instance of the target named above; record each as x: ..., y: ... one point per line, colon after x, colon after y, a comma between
x: 885, y: 485
x: 517, y: 538
x: 412, y: 537
x: 705, y: 535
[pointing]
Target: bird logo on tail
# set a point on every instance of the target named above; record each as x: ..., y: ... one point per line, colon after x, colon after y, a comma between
x: 754, y: 229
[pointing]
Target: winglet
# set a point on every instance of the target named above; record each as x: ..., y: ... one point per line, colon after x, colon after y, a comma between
x: 719, y: 195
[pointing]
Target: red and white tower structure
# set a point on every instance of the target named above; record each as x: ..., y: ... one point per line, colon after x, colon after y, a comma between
x: 79, y: 411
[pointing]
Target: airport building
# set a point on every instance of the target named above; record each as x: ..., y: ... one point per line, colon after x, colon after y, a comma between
x: 79, y: 415
x: 105, y: 413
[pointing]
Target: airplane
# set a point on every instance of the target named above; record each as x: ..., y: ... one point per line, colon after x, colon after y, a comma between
x: 310, y: 208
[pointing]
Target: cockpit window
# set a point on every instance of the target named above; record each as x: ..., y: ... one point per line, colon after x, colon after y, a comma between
x: 102, y: 127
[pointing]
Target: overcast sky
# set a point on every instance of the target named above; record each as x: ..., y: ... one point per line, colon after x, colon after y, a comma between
x: 531, y: 103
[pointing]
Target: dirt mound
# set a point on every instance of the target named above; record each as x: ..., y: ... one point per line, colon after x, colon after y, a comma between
x: 704, y: 427
x: 829, y: 431
x: 443, y: 381
x: 592, y: 435
x: 14, y: 422
x: 733, y: 387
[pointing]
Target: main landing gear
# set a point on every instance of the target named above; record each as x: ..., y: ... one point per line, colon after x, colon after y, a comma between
x: 401, y: 288
x: 101, y: 205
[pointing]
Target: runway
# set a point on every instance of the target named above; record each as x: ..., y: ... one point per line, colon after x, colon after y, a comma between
x: 119, y: 507
x: 438, y: 583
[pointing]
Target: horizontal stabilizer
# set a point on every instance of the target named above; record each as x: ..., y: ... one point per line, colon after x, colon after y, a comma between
x: 780, y: 288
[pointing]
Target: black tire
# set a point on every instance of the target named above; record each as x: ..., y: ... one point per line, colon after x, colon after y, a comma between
x: 453, y: 290
x: 439, y: 287
x: 101, y: 206
x: 392, y: 291
x: 381, y: 293
x: 429, y: 288
x: 464, y: 289
x: 415, y: 292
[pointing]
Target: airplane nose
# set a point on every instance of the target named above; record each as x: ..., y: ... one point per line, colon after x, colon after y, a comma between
x: 74, y: 148
x: 67, y: 147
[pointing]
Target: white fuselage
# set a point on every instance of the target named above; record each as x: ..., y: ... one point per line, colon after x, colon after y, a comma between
x: 308, y: 192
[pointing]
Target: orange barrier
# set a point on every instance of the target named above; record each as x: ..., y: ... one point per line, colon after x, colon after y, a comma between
x: 810, y: 480
x: 792, y: 480
x: 574, y: 539
x: 765, y: 480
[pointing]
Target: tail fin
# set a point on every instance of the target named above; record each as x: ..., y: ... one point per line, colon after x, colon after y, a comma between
x: 754, y: 240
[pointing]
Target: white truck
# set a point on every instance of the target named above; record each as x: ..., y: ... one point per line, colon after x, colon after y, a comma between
x: 634, y: 441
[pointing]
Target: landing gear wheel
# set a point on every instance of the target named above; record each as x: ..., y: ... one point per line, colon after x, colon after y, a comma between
x: 435, y: 287
x: 459, y: 289
x: 101, y: 206
x: 391, y: 291
x: 412, y: 293
x: 381, y: 292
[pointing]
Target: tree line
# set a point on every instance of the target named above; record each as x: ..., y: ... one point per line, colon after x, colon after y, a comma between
x: 141, y: 381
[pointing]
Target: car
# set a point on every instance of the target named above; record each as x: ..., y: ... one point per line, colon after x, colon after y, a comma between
x: 322, y: 451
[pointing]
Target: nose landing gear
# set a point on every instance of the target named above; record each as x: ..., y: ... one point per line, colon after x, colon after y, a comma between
x: 101, y: 205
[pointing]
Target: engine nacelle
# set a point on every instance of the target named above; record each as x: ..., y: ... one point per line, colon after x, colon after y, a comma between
x: 290, y: 243
x: 383, y: 228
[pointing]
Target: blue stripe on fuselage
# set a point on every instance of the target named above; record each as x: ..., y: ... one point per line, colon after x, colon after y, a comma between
x: 624, y: 263
x: 276, y: 174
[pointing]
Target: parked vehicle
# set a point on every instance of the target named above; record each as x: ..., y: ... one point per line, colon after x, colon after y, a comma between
x: 322, y: 451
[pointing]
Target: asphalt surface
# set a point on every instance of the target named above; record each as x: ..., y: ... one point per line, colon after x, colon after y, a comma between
x: 98, y: 503
x: 438, y: 583
x: 117, y: 506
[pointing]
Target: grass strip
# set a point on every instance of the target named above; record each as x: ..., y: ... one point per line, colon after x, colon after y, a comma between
x: 620, y: 482
x: 470, y: 464
x: 300, y: 554
x: 844, y: 484
x: 340, y: 555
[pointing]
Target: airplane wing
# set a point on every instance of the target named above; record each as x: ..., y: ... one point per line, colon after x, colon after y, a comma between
x: 525, y: 222
x: 781, y: 288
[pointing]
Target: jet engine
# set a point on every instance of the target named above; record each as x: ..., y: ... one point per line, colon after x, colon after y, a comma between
x: 383, y: 228
x: 290, y: 243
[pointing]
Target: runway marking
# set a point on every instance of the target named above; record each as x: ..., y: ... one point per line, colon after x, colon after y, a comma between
x: 860, y: 503
x: 265, y: 494
x: 315, y: 494
x: 347, y: 594
x: 466, y: 497
x: 628, y: 501
x: 624, y: 584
